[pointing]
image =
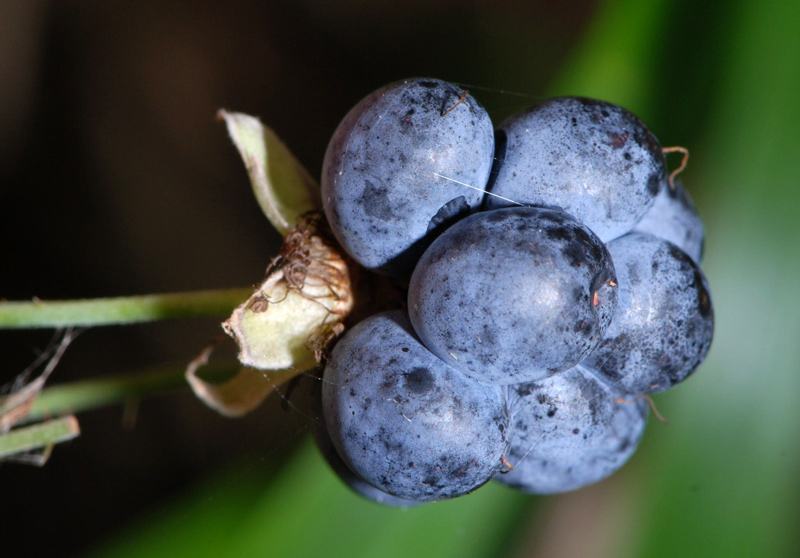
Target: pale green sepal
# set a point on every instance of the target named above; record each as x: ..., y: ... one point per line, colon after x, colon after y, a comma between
x: 283, y: 188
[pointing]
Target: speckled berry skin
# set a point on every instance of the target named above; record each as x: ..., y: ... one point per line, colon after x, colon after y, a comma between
x: 395, y: 169
x: 674, y: 218
x: 348, y: 477
x: 595, y: 160
x: 405, y: 421
x: 664, y: 322
x: 569, y: 431
x: 513, y: 295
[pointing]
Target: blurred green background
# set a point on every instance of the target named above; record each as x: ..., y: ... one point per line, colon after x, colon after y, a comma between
x: 116, y: 180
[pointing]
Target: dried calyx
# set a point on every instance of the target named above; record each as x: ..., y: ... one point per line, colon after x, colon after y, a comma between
x: 298, y: 309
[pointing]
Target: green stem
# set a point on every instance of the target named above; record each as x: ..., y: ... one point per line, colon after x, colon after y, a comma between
x: 38, y: 436
x: 89, y: 394
x: 120, y: 310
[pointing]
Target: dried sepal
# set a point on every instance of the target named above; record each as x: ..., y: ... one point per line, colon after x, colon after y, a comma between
x: 298, y: 309
x: 32, y: 444
x: 240, y: 394
x: 283, y: 188
x: 16, y: 405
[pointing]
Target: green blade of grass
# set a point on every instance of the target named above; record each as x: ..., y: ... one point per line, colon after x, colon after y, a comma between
x: 38, y: 436
x: 726, y: 482
x: 120, y: 310
x: 115, y: 389
x: 307, y: 511
x: 614, y: 61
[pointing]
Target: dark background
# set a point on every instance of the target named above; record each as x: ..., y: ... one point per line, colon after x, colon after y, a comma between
x: 116, y: 179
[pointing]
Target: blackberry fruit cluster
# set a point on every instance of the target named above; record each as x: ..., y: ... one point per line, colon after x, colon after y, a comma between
x: 553, y: 280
